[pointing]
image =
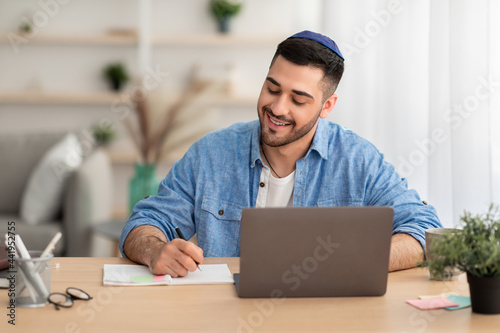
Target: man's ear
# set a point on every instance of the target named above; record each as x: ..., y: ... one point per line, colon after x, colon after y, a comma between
x: 328, y: 106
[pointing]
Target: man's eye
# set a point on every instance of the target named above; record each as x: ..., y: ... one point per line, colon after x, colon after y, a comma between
x: 296, y: 102
x: 273, y: 92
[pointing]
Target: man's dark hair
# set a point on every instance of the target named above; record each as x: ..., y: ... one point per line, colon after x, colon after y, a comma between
x: 306, y: 52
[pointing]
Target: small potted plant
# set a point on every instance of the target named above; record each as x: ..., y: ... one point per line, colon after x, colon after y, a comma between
x: 475, y: 250
x: 223, y: 11
x: 103, y: 134
x: 26, y: 28
x: 117, y: 76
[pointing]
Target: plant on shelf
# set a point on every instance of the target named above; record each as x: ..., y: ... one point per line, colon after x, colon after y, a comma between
x: 223, y: 11
x: 26, y: 28
x: 475, y: 250
x: 103, y: 134
x: 116, y: 75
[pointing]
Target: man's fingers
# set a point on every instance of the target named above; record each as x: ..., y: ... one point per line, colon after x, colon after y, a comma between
x: 165, y: 262
x: 185, y: 261
x: 176, y: 258
x: 177, y: 269
x: 191, y: 250
x: 189, y: 255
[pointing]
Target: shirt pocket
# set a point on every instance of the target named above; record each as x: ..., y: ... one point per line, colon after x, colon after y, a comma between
x: 219, y: 235
x: 339, y: 203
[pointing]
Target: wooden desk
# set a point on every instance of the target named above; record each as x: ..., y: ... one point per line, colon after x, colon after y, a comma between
x: 217, y: 308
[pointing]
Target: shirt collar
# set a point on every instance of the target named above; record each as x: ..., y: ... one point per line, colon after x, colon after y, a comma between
x: 255, y: 148
x: 319, y: 143
x: 320, y: 140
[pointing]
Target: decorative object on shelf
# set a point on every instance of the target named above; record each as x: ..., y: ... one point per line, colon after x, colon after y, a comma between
x: 117, y: 75
x: 158, y: 130
x: 103, y: 133
x: 144, y: 183
x: 475, y: 250
x: 223, y: 11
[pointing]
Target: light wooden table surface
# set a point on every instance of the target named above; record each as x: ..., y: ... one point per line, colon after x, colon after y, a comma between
x: 217, y: 308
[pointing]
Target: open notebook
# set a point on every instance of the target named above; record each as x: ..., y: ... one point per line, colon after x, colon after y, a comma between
x: 137, y: 275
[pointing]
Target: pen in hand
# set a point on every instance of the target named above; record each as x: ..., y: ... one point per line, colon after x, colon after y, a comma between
x: 181, y: 236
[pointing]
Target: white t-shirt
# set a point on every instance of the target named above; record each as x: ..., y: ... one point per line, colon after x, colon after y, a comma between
x: 275, y: 192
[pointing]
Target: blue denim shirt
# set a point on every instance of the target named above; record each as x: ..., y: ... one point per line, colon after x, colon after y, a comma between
x: 206, y: 190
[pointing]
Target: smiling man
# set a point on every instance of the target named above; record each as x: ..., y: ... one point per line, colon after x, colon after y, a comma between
x: 292, y: 156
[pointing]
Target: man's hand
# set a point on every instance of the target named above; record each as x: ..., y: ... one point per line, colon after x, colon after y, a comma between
x: 406, y: 252
x: 147, y: 245
x: 176, y: 258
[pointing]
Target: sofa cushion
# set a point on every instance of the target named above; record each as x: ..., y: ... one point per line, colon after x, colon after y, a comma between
x: 19, y: 154
x: 42, y: 197
x: 36, y: 237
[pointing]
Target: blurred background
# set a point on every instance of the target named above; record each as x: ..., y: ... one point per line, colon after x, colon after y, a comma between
x: 421, y: 81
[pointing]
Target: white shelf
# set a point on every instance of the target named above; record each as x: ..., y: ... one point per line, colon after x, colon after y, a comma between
x: 50, y: 98
x: 132, y: 40
x: 214, y: 40
x: 103, y: 98
x: 77, y: 39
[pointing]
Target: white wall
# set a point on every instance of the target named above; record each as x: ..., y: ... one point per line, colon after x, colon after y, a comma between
x: 76, y: 68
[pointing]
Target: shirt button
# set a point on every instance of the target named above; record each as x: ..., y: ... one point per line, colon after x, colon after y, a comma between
x: 221, y: 212
x: 262, y: 184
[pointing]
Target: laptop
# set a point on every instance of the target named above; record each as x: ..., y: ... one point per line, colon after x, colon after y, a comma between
x: 314, y: 251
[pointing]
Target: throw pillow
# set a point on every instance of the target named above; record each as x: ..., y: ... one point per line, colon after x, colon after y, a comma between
x: 42, y: 197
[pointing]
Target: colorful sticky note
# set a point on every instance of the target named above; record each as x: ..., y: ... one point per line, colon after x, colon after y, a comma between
x: 157, y: 278
x: 462, y: 301
x: 431, y: 303
x: 445, y: 295
x: 147, y: 278
x: 141, y: 278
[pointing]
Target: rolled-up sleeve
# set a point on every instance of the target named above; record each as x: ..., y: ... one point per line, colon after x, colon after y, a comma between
x: 386, y: 188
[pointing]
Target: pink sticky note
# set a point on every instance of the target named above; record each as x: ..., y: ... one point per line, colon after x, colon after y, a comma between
x: 157, y: 278
x: 431, y: 303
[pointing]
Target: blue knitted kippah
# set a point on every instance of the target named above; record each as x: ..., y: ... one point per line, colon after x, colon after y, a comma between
x: 322, y: 39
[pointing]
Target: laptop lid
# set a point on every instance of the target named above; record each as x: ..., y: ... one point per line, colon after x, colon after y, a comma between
x: 314, y: 251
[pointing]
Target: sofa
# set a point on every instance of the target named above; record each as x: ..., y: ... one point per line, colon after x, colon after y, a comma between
x: 84, y: 197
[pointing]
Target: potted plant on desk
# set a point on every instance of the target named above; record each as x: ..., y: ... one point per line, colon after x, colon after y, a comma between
x: 475, y: 250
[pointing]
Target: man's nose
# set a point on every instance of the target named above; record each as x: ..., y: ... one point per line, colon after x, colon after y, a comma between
x: 280, y: 106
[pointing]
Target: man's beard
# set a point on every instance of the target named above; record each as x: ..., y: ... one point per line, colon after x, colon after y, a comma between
x: 269, y: 135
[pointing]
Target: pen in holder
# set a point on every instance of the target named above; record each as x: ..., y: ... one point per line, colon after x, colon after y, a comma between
x: 37, y: 267
x: 32, y: 286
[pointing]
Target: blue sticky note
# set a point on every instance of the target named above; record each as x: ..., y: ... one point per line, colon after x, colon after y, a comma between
x: 462, y: 301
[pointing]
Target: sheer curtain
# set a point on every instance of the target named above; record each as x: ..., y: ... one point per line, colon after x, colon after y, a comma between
x: 422, y: 82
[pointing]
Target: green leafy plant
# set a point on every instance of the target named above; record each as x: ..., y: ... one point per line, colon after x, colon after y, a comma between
x: 25, y: 28
x: 116, y: 74
x: 475, y: 249
x: 103, y: 134
x: 224, y: 8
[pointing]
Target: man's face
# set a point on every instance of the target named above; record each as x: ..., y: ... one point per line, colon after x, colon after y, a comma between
x: 290, y: 103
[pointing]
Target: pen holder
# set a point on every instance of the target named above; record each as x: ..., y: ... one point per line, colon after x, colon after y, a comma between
x: 32, y: 280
